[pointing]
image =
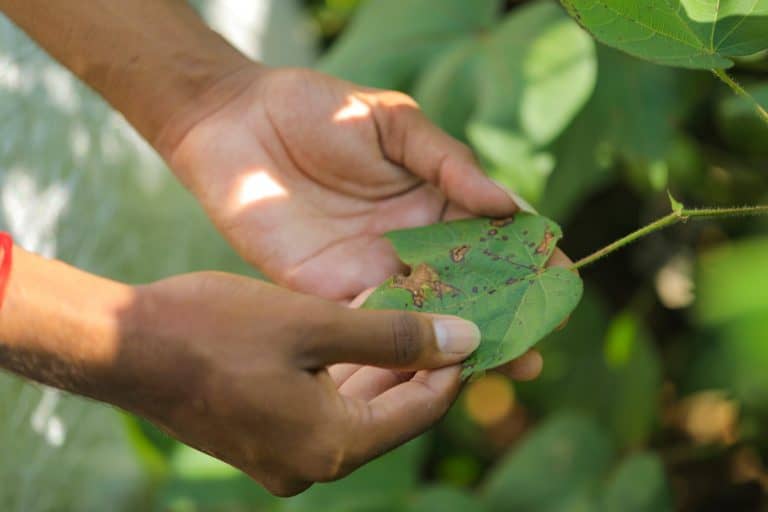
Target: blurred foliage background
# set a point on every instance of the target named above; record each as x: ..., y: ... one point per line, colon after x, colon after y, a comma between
x: 654, y: 398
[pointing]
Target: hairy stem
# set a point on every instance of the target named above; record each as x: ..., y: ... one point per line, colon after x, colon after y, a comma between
x: 739, y: 90
x: 680, y: 215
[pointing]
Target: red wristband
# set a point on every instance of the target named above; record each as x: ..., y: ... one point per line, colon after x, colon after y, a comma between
x: 6, y: 244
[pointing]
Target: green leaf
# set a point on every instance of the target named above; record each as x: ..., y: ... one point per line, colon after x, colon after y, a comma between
x: 601, y: 366
x: 389, y: 41
x: 513, y: 91
x: 538, y: 69
x: 700, y: 34
x: 489, y: 271
x: 511, y: 159
x: 732, y: 282
x: 447, y: 90
x: 380, y: 485
x: 633, y: 115
x: 444, y: 499
x: 561, y: 463
x: 744, y: 132
x: 732, y: 304
x: 638, y: 485
x: 199, y: 482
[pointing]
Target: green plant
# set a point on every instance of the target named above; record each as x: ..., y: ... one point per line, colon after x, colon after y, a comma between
x: 493, y: 272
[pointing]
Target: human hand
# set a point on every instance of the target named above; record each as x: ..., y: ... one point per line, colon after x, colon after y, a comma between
x: 236, y: 368
x: 304, y: 173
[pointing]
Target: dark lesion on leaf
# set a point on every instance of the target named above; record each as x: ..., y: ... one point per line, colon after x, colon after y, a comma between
x: 422, y: 281
x: 458, y: 253
x: 543, y: 247
x: 500, y: 223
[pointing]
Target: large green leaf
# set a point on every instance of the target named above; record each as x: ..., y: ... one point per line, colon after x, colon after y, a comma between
x: 687, y: 33
x: 524, y: 78
x: 732, y: 302
x: 638, y: 485
x: 633, y: 116
x: 444, y: 499
x: 489, y: 271
x: 512, y: 91
x: 389, y: 41
x: 601, y: 366
x: 740, y: 127
x: 538, y: 69
x: 568, y: 464
x: 380, y: 485
x: 558, y: 466
x: 732, y: 283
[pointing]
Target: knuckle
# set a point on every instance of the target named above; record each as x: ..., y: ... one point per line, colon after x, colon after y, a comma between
x: 407, y: 335
x: 464, y: 152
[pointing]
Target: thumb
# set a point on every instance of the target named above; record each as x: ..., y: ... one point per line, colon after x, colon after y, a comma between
x: 411, y: 140
x: 391, y: 339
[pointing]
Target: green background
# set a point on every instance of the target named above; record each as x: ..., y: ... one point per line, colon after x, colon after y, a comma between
x: 654, y: 397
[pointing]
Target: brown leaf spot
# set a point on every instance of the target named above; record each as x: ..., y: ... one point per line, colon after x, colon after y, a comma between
x: 544, y: 245
x: 512, y: 281
x: 420, y: 281
x: 493, y: 232
x: 458, y: 253
x: 500, y: 223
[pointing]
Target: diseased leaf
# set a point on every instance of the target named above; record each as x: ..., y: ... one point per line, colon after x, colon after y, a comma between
x: 699, y: 34
x: 492, y: 272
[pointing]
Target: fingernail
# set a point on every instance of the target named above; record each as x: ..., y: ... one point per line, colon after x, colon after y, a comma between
x: 456, y: 336
x: 519, y: 201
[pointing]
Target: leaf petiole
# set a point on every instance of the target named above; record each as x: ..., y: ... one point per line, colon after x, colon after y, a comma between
x: 740, y: 91
x: 679, y: 214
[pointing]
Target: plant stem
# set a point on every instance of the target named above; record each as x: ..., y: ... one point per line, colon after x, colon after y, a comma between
x: 739, y: 90
x: 673, y: 218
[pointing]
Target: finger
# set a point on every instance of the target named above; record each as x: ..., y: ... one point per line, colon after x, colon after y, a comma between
x: 411, y: 140
x: 455, y: 212
x: 559, y: 259
x: 524, y: 368
x: 387, y: 339
x: 403, y: 412
x: 369, y: 382
x: 361, y: 298
x: 340, y: 373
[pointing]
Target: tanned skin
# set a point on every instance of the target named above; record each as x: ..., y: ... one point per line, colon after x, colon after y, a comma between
x: 303, y: 173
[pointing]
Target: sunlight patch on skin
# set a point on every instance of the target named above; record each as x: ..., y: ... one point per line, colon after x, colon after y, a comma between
x: 258, y: 186
x: 354, y: 109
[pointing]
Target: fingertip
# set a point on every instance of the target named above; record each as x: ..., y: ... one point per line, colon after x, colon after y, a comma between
x: 525, y: 368
x: 456, y: 337
x: 361, y: 298
x: 481, y: 195
x: 559, y: 259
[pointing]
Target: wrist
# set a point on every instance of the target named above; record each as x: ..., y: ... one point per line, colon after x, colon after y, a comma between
x: 213, y: 92
x: 62, y: 327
